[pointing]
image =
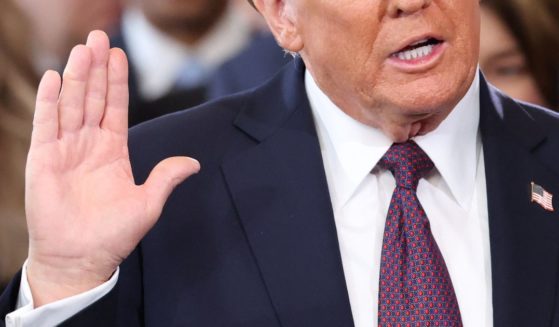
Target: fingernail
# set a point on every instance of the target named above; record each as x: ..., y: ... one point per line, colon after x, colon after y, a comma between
x: 197, y: 163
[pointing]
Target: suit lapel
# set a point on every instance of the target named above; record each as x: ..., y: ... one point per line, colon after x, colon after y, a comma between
x: 524, y: 242
x: 281, y: 195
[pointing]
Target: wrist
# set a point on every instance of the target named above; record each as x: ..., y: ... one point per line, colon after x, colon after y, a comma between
x: 50, y: 283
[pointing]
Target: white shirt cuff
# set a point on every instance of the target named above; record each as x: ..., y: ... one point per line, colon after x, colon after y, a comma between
x: 56, y: 312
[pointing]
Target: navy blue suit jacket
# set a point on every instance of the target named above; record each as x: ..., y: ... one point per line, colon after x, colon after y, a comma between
x: 261, y: 60
x: 251, y: 239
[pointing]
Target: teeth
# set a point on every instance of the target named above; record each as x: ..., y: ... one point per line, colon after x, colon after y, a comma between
x: 417, y: 53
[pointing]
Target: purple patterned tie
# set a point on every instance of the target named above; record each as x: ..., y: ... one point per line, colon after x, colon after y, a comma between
x: 415, y: 287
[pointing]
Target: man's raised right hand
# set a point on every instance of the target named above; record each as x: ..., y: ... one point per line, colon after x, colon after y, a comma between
x: 84, y: 212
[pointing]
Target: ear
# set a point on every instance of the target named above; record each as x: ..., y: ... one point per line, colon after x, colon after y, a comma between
x: 281, y: 18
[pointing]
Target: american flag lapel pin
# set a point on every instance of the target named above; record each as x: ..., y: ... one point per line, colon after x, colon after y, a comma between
x: 542, y: 197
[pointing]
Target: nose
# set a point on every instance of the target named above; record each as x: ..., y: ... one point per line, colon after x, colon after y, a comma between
x: 399, y: 8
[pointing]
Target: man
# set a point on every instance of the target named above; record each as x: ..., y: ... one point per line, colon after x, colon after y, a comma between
x: 174, y: 47
x: 284, y: 224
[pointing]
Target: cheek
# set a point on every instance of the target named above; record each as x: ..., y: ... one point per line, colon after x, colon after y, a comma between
x: 470, y: 46
x: 329, y: 31
x: 467, y: 27
x: 344, y: 56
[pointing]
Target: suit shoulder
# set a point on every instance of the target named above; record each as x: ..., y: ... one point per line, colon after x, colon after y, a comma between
x: 521, y: 113
x: 206, y: 132
x: 543, y: 116
x: 204, y: 118
x: 547, y: 122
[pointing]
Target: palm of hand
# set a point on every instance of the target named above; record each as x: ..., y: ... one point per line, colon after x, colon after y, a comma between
x: 85, y: 213
x: 90, y: 196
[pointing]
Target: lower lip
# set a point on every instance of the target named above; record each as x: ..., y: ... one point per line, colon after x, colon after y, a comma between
x: 419, y: 64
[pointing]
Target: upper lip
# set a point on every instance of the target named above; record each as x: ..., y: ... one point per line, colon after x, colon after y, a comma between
x: 417, y: 39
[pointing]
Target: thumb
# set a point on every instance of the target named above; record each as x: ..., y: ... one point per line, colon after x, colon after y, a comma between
x: 164, y: 178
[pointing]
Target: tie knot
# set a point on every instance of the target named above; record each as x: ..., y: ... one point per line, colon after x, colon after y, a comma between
x: 407, y: 162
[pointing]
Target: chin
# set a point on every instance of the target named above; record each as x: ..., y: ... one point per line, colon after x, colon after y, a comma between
x: 399, y: 134
x: 437, y: 89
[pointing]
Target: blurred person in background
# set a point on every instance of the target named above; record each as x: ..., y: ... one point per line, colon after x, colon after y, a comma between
x: 173, y: 47
x: 57, y: 25
x: 261, y: 59
x: 520, y: 47
x: 17, y: 94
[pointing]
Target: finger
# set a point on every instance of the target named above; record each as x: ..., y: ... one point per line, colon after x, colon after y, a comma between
x: 164, y: 178
x: 74, y: 83
x: 45, y: 120
x: 96, y: 91
x: 116, y: 110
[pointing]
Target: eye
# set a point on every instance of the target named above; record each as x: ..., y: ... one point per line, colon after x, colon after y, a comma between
x: 511, y: 69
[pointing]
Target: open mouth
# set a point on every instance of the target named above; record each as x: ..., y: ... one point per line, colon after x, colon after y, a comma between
x: 418, y: 50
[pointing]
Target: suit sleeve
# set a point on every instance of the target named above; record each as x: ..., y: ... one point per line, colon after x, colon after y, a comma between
x: 108, y: 307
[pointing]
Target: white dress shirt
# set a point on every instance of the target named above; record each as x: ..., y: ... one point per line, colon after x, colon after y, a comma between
x: 453, y: 197
x: 53, y: 313
x: 158, y: 58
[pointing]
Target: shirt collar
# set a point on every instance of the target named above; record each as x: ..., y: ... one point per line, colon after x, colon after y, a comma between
x: 148, y: 48
x: 455, y: 145
x: 352, y: 149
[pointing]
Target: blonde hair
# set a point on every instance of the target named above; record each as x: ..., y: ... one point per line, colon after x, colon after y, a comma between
x: 17, y: 88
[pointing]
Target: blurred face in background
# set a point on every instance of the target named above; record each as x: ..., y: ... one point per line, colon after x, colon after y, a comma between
x: 192, y: 15
x: 400, y: 66
x: 503, y: 62
x: 59, y: 24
